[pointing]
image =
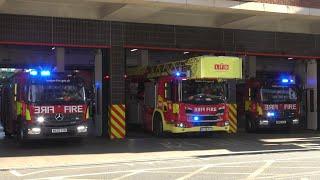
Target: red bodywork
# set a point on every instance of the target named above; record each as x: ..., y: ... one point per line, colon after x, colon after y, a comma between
x: 251, y: 106
x: 185, y: 110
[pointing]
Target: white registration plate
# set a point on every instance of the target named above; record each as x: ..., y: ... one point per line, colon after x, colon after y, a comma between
x: 202, y: 129
x: 64, y: 130
x: 281, y: 122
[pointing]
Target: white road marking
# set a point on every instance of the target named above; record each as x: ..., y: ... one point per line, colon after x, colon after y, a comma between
x: 260, y: 170
x: 284, y: 176
x: 16, y: 173
x: 128, y: 175
x: 194, y: 173
x: 150, y: 169
x: 190, y: 166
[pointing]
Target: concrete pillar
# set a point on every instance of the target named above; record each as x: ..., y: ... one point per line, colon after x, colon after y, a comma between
x: 60, y: 58
x: 144, y: 60
x: 250, y: 66
x: 312, y: 95
x: 98, y: 92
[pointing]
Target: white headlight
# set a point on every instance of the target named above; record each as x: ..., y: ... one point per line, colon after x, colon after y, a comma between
x: 82, y: 128
x: 263, y: 122
x: 40, y: 119
x: 34, y: 130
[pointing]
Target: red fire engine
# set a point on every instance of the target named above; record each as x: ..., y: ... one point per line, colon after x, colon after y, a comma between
x: 184, y: 96
x: 272, y: 102
x: 41, y: 104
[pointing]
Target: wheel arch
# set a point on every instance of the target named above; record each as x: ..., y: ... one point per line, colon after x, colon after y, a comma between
x: 153, y: 115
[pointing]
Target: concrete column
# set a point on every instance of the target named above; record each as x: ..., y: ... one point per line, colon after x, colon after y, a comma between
x: 144, y: 60
x: 98, y: 92
x: 60, y: 58
x: 250, y: 66
x: 312, y: 95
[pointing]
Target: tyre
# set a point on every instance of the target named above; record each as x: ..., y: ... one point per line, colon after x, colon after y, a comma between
x: 158, y: 125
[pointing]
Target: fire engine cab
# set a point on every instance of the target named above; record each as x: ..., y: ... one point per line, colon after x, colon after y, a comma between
x: 42, y: 104
x: 272, y: 102
x: 183, y: 96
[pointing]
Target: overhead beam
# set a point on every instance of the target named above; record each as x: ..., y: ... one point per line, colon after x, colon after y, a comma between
x: 133, y: 12
x: 248, y: 22
x: 228, y: 19
x: 2, y: 2
x: 106, y: 10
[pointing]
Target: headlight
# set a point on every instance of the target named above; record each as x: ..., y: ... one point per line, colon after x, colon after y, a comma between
x: 264, y: 122
x: 82, y: 129
x: 35, y: 130
x: 295, y: 121
x: 40, y: 119
x: 180, y: 125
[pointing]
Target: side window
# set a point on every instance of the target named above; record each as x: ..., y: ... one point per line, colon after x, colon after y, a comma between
x: 168, y: 91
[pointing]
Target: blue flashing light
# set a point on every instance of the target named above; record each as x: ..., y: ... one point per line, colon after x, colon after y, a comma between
x: 285, y: 80
x: 196, y: 118
x: 178, y: 74
x: 45, y: 73
x: 291, y: 80
x: 270, y: 114
x: 33, y: 73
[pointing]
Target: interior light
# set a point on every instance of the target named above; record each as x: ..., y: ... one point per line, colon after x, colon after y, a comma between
x: 133, y: 50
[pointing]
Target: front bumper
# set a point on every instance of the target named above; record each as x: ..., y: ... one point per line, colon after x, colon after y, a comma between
x: 176, y: 130
x: 44, y: 132
x: 277, y: 123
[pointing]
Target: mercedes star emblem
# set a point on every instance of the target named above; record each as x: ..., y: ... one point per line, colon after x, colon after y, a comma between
x: 59, y: 117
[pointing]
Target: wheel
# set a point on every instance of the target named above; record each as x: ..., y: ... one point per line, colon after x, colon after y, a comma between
x: 157, y: 125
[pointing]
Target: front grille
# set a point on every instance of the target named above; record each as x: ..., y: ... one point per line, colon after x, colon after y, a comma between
x: 209, y: 120
x: 67, y: 120
x: 287, y: 114
x: 204, y: 123
x: 213, y: 118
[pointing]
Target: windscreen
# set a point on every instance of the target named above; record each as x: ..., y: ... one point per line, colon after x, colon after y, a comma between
x: 278, y: 95
x: 55, y: 92
x: 203, y: 92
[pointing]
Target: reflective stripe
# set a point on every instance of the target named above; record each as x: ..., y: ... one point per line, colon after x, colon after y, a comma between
x: 28, y: 117
x: 87, y: 113
x: 175, y: 108
x: 19, y: 108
